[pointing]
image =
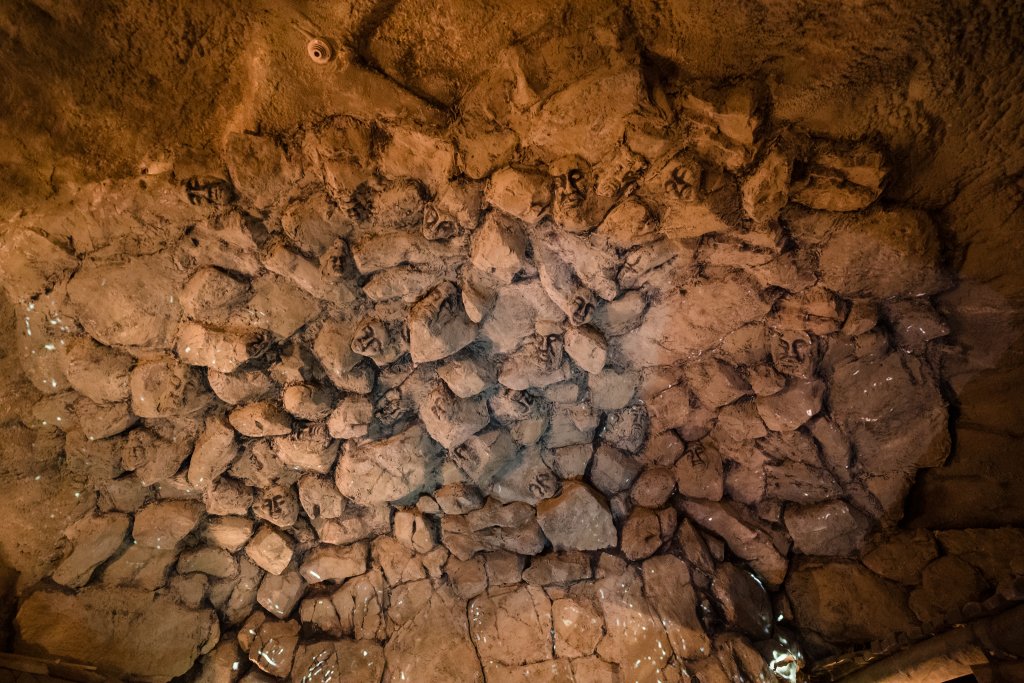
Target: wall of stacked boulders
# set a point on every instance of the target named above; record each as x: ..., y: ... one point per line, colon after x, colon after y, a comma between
x: 617, y: 384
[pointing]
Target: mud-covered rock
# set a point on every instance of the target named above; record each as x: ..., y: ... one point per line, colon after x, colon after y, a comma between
x: 81, y: 627
x: 846, y: 603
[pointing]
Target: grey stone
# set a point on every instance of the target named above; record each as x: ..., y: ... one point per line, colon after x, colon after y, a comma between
x: 467, y: 375
x: 348, y: 370
x: 451, y: 420
x: 577, y: 519
x: 393, y: 469
x: 351, y: 418
x: 334, y: 563
x: 612, y: 471
x: 320, y: 498
x: 587, y: 347
x: 499, y: 247
x: 438, y: 326
x: 458, y: 498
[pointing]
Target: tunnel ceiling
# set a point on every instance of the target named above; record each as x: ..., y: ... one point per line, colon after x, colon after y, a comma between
x: 508, y: 342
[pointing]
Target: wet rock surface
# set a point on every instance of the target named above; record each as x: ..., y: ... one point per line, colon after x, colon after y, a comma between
x: 583, y: 396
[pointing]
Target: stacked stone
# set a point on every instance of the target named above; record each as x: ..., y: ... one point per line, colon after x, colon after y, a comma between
x: 376, y: 403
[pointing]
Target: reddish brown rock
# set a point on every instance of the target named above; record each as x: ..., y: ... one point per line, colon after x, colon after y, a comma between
x: 667, y: 586
x: 81, y: 627
x: 434, y: 646
x: 270, y: 549
x: 511, y: 625
x: 833, y: 528
x: 350, y: 661
x: 846, y: 603
x: 883, y: 253
x: 94, y: 539
x: 390, y: 470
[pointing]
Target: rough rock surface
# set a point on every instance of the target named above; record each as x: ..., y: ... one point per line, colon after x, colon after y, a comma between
x: 577, y: 519
x: 124, y: 631
x: 847, y: 602
x: 434, y: 645
x: 379, y: 331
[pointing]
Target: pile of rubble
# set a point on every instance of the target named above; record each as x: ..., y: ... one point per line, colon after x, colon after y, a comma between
x: 598, y: 388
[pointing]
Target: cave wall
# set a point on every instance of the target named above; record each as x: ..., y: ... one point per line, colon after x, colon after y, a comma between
x: 937, y: 81
x: 936, y: 85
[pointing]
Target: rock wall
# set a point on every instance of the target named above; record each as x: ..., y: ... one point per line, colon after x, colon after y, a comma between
x: 593, y: 359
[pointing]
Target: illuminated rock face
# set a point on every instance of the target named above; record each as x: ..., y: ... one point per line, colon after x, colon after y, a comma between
x: 576, y: 395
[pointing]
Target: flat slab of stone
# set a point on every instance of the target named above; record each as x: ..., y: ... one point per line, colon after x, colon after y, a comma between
x: 434, y: 646
x: 123, y: 631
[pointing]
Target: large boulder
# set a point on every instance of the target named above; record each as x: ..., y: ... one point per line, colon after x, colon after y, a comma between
x: 123, y: 631
x: 133, y: 303
x: 883, y: 253
x: 390, y: 470
x: 846, y: 603
x: 434, y: 645
x: 893, y: 409
x: 681, y: 326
